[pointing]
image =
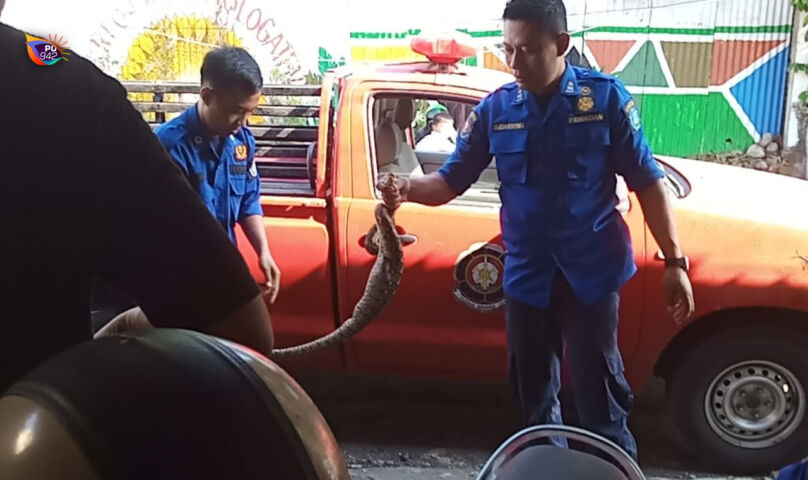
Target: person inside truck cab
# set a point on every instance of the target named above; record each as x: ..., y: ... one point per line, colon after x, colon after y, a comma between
x: 442, y: 136
x: 94, y: 193
x: 559, y: 134
x: 434, y: 109
x: 212, y: 145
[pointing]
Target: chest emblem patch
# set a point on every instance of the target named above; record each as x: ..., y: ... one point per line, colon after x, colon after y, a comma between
x: 241, y: 152
x: 586, y: 104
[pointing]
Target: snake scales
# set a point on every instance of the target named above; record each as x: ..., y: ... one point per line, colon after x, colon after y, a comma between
x: 385, y: 276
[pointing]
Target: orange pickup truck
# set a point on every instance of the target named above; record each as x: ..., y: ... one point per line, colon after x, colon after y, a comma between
x: 736, y: 373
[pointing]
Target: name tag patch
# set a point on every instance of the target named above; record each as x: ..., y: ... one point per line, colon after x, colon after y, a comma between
x: 238, y: 169
x: 590, y: 117
x: 498, y: 127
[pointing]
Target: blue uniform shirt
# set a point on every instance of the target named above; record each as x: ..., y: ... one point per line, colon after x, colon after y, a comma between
x: 557, y: 172
x: 221, y: 170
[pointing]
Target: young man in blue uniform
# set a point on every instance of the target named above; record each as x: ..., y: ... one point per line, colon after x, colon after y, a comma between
x: 560, y: 134
x: 215, y: 150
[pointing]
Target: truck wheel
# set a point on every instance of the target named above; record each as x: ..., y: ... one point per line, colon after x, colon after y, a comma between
x: 739, y: 399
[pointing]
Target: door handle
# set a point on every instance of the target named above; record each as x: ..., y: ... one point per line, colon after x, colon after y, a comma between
x: 407, y: 239
x: 371, y: 244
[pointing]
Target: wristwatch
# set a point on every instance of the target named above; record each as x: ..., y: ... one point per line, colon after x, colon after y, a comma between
x: 681, y: 262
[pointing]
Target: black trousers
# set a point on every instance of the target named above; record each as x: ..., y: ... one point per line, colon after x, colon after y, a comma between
x: 536, y: 338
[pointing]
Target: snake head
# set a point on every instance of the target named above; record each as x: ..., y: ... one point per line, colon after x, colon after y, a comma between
x: 389, y: 184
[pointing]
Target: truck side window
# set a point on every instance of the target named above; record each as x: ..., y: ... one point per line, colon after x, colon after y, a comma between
x: 413, y: 136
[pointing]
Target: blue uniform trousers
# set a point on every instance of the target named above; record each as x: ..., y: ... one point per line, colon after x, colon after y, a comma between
x: 603, y: 397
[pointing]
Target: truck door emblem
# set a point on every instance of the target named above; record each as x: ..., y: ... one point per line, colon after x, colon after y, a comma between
x: 478, y: 277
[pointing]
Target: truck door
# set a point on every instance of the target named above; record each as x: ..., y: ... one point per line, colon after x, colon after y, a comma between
x: 434, y: 324
x: 291, y: 151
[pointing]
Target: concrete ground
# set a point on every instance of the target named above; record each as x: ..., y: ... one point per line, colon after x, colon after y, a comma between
x: 407, y: 429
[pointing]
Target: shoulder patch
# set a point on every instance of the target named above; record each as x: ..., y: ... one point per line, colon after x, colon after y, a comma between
x: 470, y: 121
x: 634, y: 118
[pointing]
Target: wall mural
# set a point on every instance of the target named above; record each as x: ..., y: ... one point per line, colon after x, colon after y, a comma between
x: 699, y: 90
x: 709, y: 76
x: 699, y: 93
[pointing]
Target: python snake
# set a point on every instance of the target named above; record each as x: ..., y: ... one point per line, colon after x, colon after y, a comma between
x: 385, y: 276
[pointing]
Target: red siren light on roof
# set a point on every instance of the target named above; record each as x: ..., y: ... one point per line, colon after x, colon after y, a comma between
x: 444, y: 48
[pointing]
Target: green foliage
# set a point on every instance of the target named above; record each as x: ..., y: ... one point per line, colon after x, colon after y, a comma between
x: 313, y: 78
x: 421, y: 106
x: 800, y: 67
x: 327, y: 62
x: 802, y: 5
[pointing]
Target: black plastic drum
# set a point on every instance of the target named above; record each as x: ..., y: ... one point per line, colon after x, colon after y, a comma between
x: 163, y: 404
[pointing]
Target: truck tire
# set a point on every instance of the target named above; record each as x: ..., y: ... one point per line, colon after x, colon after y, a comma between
x: 739, y: 399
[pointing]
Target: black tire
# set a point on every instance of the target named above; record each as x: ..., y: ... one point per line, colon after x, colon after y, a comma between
x: 763, y: 359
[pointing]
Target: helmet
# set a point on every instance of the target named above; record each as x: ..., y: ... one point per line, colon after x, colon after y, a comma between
x: 434, y: 109
x: 163, y: 403
x: 526, y: 456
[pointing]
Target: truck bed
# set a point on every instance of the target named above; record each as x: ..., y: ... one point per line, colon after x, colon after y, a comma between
x: 284, y: 176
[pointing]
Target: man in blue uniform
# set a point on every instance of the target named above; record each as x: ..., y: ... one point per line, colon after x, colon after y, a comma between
x: 215, y: 150
x: 559, y: 135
